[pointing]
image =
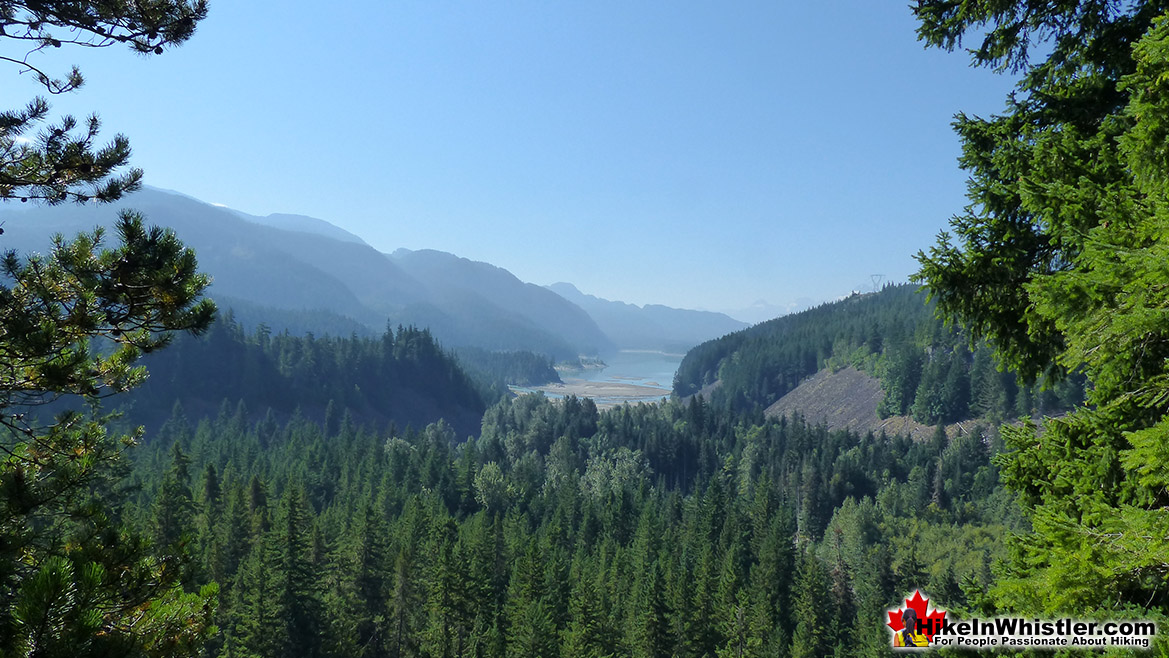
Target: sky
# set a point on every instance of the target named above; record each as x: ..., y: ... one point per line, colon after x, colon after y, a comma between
x: 694, y: 154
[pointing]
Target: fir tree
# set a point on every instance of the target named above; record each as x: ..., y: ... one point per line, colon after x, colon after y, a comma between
x: 299, y: 576
x: 1059, y: 260
x: 174, y: 508
x: 256, y: 626
x: 813, y: 631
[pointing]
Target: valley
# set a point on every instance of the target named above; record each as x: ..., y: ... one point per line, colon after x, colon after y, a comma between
x: 689, y: 483
x: 629, y: 376
x: 236, y: 435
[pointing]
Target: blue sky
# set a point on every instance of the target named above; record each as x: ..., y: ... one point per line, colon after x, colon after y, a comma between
x: 694, y: 154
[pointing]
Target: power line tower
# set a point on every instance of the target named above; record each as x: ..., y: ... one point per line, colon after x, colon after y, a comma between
x: 877, y: 278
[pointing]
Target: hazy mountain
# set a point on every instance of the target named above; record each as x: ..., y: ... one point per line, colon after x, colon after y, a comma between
x: 306, y: 275
x: 249, y: 261
x: 304, y: 224
x: 649, y: 327
x: 762, y: 310
x: 459, y: 281
x: 298, y: 270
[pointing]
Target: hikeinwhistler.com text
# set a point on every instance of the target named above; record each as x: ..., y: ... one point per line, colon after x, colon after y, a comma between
x: 1020, y: 633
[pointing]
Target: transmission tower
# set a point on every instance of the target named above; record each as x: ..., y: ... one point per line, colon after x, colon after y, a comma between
x: 877, y: 278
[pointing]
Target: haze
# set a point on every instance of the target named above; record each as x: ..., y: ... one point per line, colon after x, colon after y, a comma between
x: 686, y: 154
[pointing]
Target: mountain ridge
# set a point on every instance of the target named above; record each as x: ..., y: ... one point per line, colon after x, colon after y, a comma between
x: 652, y: 326
x: 298, y: 272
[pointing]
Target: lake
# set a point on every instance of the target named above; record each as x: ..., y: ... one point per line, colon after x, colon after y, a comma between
x: 628, y: 376
x: 644, y: 368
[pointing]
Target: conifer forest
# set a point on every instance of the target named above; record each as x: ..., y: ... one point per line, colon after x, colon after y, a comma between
x: 177, y: 479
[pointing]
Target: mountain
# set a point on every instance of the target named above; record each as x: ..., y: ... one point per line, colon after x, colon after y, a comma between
x: 455, y: 282
x: 278, y: 268
x: 649, y: 327
x: 304, y: 269
x: 304, y: 224
x: 762, y: 310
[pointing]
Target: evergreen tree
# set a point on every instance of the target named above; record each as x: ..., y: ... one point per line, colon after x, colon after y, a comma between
x: 59, y: 478
x: 174, y: 508
x: 256, y: 626
x: 649, y: 635
x: 403, y: 612
x: 55, y: 312
x: 693, y: 568
x: 1060, y: 262
x: 235, y: 535
x: 529, y: 621
x: 299, y: 577
x: 446, y: 629
x: 67, y: 165
x: 813, y: 631
x: 371, y: 585
x: 209, y: 507
x: 587, y: 635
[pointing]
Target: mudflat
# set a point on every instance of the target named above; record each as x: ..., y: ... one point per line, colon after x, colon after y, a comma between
x: 604, y: 394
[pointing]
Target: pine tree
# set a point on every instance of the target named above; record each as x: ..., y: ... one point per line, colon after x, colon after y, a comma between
x: 174, y: 508
x: 649, y: 635
x: 810, y: 610
x: 371, y: 585
x: 209, y: 507
x: 60, y: 477
x: 446, y: 627
x: 529, y: 620
x: 587, y: 634
x: 403, y: 609
x: 1060, y: 262
x: 235, y: 535
x: 299, y: 576
x: 256, y: 624
x: 67, y: 165
x: 700, y: 636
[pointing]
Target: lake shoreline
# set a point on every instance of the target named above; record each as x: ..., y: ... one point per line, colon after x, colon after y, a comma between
x: 631, y: 376
x: 606, y: 395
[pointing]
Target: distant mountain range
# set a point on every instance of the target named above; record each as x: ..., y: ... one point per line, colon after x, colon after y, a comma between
x: 652, y: 326
x: 304, y: 274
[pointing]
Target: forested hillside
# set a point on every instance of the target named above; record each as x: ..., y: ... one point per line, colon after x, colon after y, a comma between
x: 368, y: 497
x: 564, y: 532
x: 927, y: 369
x: 504, y: 368
x: 403, y: 377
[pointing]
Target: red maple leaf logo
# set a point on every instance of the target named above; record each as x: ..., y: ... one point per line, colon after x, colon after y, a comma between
x: 929, y: 622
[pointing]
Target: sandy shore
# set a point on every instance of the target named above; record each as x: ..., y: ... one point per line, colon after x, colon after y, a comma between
x: 604, y: 394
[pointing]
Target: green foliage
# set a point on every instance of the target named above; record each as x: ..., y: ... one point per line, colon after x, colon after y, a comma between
x: 60, y: 164
x: 404, y: 376
x: 756, y: 366
x: 927, y: 369
x: 1068, y: 222
x: 76, y: 577
x: 648, y: 530
x: 1045, y: 174
x: 516, y: 368
x: 61, y: 531
x: 53, y: 308
x: 812, y: 615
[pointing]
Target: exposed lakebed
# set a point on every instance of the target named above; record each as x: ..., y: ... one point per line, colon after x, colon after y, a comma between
x: 628, y: 376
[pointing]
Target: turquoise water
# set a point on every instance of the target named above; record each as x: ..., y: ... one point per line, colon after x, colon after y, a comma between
x: 642, y: 368
x: 652, y: 370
